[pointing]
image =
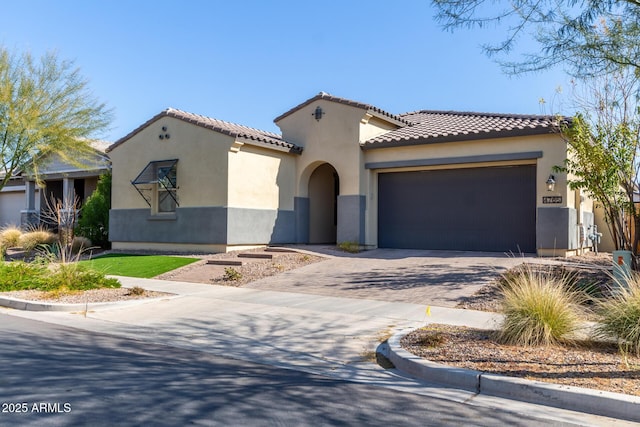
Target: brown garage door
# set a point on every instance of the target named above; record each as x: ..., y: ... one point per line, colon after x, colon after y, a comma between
x: 476, y: 209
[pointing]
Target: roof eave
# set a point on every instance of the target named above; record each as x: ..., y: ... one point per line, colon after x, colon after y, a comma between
x: 285, y: 148
x: 459, y: 138
x: 365, y: 107
x: 237, y: 135
x: 298, y: 107
x: 389, y: 119
x: 137, y: 130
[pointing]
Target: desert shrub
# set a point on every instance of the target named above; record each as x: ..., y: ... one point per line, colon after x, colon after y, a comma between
x: 79, y: 244
x: 136, y: 290
x: 10, y: 236
x: 32, y: 239
x: 75, y: 277
x: 94, y: 215
x: 539, y: 308
x: 19, y: 275
x: 231, y: 274
x: 620, y: 316
x: 351, y: 247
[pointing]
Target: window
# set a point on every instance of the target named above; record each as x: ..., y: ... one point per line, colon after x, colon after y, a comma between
x: 158, y: 185
x: 166, y: 188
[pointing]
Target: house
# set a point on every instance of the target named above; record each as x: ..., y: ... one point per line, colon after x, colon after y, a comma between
x: 23, y: 199
x: 347, y: 171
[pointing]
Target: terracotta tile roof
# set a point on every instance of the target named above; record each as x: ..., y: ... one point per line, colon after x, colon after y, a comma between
x: 445, y: 126
x: 234, y: 130
x: 369, y: 108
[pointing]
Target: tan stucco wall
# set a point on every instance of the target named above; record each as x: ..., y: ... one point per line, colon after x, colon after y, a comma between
x: 260, y: 178
x: 370, y: 127
x: 606, y: 243
x: 552, y: 147
x: 201, y: 170
x: 333, y: 139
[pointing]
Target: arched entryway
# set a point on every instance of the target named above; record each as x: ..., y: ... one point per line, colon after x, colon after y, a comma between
x: 324, y: 187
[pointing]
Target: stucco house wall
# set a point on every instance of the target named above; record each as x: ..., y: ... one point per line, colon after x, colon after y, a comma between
x: 318, y: 182
x: 557, y: 229
x: 230, y: 192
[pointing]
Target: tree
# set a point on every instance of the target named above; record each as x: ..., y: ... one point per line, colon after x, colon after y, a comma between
x: 45, y: 108
x: 604, y: 149
x: 589, y: 36
x: 94, y: 215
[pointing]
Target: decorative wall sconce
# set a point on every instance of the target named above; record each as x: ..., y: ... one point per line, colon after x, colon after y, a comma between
x: 318, y: 113
x: 551, y: 183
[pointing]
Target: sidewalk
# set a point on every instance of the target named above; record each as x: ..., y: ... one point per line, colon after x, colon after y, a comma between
x: 331, y: 336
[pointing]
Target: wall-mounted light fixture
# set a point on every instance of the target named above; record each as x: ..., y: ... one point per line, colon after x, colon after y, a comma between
x: 318, y: 113
x: 551, y: 183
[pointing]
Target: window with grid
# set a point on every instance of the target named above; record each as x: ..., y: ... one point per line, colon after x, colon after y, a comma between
x: 158, y: 184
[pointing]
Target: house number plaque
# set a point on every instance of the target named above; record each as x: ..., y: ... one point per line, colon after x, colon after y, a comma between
x: 552, y: 199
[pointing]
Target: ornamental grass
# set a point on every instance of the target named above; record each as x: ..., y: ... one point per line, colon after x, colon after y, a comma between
x: 620, y: 315
x: 10, y: 236
x: 539, y: 308
x: 37, y: 237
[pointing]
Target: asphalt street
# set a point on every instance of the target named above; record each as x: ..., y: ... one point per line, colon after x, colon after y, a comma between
x: 52, y: 375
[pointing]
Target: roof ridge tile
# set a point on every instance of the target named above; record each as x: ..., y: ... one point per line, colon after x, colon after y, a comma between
x: 345, y: 101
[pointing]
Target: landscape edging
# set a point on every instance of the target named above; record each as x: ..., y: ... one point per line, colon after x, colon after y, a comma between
x: 604, y: 403
x: 26, y: 305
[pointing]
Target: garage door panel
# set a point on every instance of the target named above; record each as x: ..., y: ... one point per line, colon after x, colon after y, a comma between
x: 481, y: 209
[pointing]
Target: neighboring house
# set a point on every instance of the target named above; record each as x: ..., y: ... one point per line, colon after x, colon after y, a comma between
x: 347, y: 171
x: 23, y: 200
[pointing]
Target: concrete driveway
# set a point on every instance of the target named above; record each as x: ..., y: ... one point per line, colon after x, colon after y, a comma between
x: 440, y: 278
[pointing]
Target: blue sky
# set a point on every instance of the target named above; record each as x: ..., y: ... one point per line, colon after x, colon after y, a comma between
x: 249, y: 61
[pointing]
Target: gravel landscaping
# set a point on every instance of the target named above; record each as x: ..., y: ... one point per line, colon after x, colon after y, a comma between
x: 83, y: 297
x: 251, y: 270
x: 598, y: 366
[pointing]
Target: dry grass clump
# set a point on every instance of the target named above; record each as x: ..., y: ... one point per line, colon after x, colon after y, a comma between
x: 32, y: 239
x: 620, y: 315
x: 10, y: 236
x: 79, y: 244
x: 539, y: 308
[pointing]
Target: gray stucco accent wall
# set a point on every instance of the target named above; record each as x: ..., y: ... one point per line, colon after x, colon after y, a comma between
x: 260, y: 226
x: 529, y: 155
x: 557, y: 228
x: 351, y: 219
x: 301, y: 207
x: 203, y: 225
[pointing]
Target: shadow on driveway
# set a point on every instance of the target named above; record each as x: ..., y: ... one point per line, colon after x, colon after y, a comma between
x: 443, y: 278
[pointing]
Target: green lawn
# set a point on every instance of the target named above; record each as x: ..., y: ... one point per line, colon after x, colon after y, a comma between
x: 144, y: 266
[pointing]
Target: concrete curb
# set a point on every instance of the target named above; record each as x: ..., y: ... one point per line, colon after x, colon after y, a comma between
x: 26, y: 305
x: 608, y: 404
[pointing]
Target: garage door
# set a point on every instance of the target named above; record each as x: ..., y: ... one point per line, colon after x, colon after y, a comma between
x: 10, y: 205
x: 477, y: 209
